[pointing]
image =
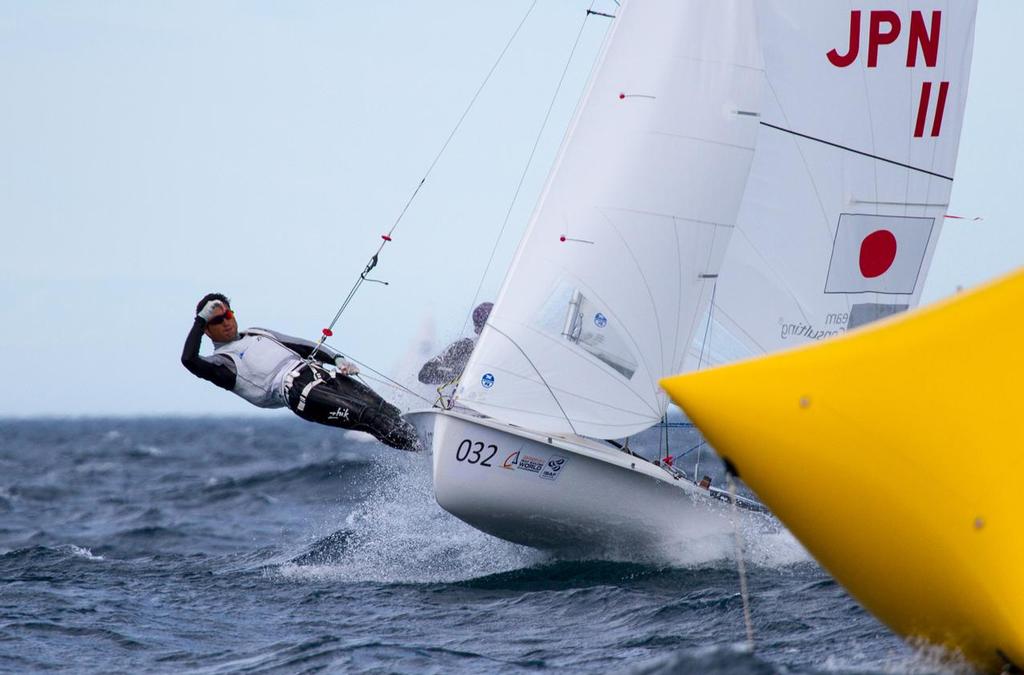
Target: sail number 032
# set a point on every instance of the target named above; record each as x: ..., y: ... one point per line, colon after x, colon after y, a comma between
x: 475, y: 452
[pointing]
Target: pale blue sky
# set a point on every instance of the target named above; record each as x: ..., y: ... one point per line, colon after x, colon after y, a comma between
x: 152, y: 151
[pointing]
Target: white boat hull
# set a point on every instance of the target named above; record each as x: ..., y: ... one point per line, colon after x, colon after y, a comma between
x: 561, y: 493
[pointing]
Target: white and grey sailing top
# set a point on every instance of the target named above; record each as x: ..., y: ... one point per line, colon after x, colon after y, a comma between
x: 252, y: 366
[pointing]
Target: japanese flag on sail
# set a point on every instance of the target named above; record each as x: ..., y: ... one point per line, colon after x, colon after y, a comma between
x: 878, y: 254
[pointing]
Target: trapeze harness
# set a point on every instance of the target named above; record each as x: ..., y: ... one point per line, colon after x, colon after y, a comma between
x: 267, y: 369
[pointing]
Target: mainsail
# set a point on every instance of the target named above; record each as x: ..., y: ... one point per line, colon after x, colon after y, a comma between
x: 853, y: 170
x: 616, y: 270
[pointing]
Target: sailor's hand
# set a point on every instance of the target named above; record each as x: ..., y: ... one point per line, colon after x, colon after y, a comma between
x: 211, y: 309
x: 346, y: 367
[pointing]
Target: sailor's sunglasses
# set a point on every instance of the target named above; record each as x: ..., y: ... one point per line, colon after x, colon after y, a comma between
x: 217, y: 320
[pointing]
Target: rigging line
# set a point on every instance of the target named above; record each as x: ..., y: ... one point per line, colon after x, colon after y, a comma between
x: 385, y: 379
x: 526, y: 169
x: 707, y: 328
x: 568, y: 347
x: 667, y: 448
x: 439, y: 402
x: 857, y: 152
x: 700, y: 364
x: 387, y: 238
x: 537, y: 370
x: 684, y: 454
x: 480, y: 89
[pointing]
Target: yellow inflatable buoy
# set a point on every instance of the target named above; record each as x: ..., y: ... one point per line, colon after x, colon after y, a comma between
x: 896, y: 455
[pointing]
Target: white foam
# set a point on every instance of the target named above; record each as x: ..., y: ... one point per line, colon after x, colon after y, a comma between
x: 763, y: 539
x: 400, y: 535
x: 81, y: 552
x: 773, y: 546
x: 919, y: 658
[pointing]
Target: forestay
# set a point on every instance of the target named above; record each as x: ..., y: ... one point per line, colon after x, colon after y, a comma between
x: 615, y: 272
x: 861, y: 119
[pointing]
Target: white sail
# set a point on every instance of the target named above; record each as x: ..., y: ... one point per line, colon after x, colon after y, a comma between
x: 615, y: 272
x: 861, y: 121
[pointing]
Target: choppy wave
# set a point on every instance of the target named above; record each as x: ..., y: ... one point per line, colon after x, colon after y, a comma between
x: 42, y: 556
x: 224, y: 545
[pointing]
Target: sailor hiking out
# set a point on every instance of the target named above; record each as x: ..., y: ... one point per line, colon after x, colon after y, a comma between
x: 269, y: 370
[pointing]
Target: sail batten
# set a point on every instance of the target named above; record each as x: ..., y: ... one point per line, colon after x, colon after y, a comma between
x: 869, y: 155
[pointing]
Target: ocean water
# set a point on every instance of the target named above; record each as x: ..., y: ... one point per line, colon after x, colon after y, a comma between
x: 273, y: 545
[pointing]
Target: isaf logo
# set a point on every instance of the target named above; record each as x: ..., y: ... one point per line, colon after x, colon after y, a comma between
x: 553, y: 469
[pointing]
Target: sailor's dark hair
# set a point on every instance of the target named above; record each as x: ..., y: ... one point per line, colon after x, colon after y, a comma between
x: 213, y: 296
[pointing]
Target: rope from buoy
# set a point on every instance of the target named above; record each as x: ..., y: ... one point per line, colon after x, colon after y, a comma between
x: 740, y: 564
x: 700, y: 361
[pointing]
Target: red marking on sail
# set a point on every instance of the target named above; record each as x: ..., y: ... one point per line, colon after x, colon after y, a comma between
x: 923, y: 39
x: 940, y: 107
x: 841, y: 61
x: 877, y: 253
x: 877, y: 37
x: 922, y: 109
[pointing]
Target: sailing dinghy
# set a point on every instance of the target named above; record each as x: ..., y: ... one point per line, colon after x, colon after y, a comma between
x: 619, y: 269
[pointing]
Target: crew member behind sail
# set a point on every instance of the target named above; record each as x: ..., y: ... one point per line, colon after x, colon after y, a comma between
x: 448, y: 365
x: 268, y: 370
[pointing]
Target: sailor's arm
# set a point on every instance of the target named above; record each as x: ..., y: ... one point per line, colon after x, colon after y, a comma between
x: 304, y: 348
x: 218, y: 370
